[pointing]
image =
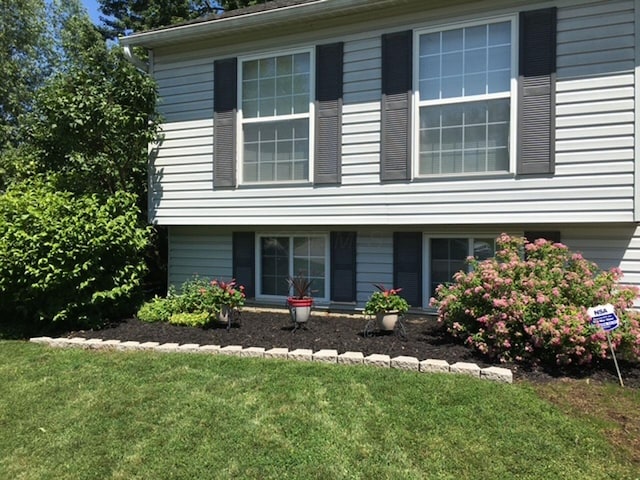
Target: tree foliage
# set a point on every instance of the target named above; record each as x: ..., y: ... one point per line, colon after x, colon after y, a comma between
x: 124, y: 16
x: 68, y: 259
x: 25, y: 54
x: 91, y: 122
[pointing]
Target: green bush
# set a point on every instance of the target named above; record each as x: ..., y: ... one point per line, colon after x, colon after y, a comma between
x: 64, y: 259
x: 533, y: 307
x: 190, y: 319
x: 156, y: 310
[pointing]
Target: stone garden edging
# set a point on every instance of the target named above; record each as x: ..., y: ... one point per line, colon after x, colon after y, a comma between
x: 497, y: 374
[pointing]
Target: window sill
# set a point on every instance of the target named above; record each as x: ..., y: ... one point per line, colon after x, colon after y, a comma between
x: 465, y: 176
x: 301, y: 183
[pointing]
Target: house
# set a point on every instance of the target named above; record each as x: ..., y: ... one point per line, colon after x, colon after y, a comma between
x: 384, y: 141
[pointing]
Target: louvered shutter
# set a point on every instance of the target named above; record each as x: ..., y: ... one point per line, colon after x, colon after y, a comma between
x: 244, y: 261
x: 343, y: 266
x: 328, y: 139
x: 224, y: 118
x: 395, y: 161
x: 536, y: 92
x: 407, y: 266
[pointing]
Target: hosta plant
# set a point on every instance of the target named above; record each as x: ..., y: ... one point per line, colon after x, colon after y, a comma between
x: 529, y: 304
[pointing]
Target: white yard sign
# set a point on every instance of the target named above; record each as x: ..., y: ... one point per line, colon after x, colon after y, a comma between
x: 605, y: 316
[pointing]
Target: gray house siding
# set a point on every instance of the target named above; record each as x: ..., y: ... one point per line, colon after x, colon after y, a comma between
x: 590, y: 199
x: 595, y: 88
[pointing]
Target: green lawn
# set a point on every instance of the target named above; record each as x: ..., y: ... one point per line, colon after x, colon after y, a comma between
x: 114, y: 415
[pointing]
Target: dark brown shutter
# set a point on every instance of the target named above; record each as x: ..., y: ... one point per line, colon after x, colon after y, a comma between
x: 343, y: 266
x: 224, y: 119
x: 244, y: 261
x: 328, y: 143
x: 536, y: 92
x: 395, y: 148
x: 407, y: 266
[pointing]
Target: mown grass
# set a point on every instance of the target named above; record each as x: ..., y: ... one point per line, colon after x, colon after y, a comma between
x: 111, y: 415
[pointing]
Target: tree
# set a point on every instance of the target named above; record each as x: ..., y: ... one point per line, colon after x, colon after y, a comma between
x: 91, y: 121
x: 25, y: 61
x: 125, y: 16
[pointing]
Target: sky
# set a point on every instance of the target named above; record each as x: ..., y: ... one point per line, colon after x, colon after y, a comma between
x: 92, y: 8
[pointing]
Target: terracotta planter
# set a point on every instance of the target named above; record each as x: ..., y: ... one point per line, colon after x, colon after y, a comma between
x: 300, y: 308
x: 387, y: 320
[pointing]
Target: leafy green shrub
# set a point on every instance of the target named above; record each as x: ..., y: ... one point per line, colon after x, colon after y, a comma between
x: 68, y: 259
x: 190, y: 319
x: 156, y: 310
x: 534, y: 308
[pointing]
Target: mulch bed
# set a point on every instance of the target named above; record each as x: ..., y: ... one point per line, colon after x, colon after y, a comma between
x: 426, y: 338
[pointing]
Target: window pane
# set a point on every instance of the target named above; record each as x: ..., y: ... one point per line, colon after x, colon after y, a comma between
x: 475, y: 37
x: 275, y: 265
x: 284, y: 65
x: 474, y: 137
x: 430, y: 44
x: 285, y: 142
x: 483, y: 248
x: 465, y: 62
x: 499, y: 81
x: 452, y: 40
x: 448, y: 256
x: 451, y: 162
x: 452, y: 64
x: 272, y: 87
x: 301, y: 63
x: 500, y: 58
x: 451, y: 87
x: 500, y: 33
x: 267, y: 67
x: 475, y: 84
x: 475, y: 61
x: 250, y: 70
x: 250, y: 89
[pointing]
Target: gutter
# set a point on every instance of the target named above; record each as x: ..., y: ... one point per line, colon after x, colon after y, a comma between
x: 134, y: 59
x: 263, y: 20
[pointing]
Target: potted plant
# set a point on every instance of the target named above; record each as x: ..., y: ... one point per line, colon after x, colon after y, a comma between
x: 386, y: 305
x: 227, y: 297
x: 300, y: 301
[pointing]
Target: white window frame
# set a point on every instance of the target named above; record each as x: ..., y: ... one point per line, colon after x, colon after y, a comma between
x: 291, y: 236
x: 310, y: 115
x: 426, y: 258
x: 418, y: 103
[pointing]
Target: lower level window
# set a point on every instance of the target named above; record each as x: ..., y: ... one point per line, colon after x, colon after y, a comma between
x: 290, y: 255
x: 448, y: 256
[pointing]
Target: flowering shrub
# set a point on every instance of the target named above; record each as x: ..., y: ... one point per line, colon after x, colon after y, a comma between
x: 534, y: 309
x: 385, y: 300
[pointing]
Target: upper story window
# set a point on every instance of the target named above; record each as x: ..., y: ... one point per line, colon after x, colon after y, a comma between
x: 275, y: 94
x: 464, y: 96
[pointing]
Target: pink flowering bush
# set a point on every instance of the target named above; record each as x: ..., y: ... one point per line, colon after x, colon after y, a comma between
x: 529, y: 304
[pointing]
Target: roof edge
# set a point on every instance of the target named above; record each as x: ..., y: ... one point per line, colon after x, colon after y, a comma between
x: 263, y: 19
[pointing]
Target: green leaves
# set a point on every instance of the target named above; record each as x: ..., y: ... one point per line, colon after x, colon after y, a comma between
x: 66, y: 258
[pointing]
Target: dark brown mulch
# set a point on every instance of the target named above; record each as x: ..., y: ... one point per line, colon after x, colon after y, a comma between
x: 426, y: 338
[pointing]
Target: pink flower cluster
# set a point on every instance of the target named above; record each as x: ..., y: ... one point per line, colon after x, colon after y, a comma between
x: 529, y: 304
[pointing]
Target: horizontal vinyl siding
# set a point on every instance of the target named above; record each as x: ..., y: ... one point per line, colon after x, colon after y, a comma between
x: 198, y: 251
x: 374, y: 263
x: 594, y: 147
x: 596, y: 39
x: 183, y: 158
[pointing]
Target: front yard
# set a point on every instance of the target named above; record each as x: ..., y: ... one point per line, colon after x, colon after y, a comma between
x: 78, y: 414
